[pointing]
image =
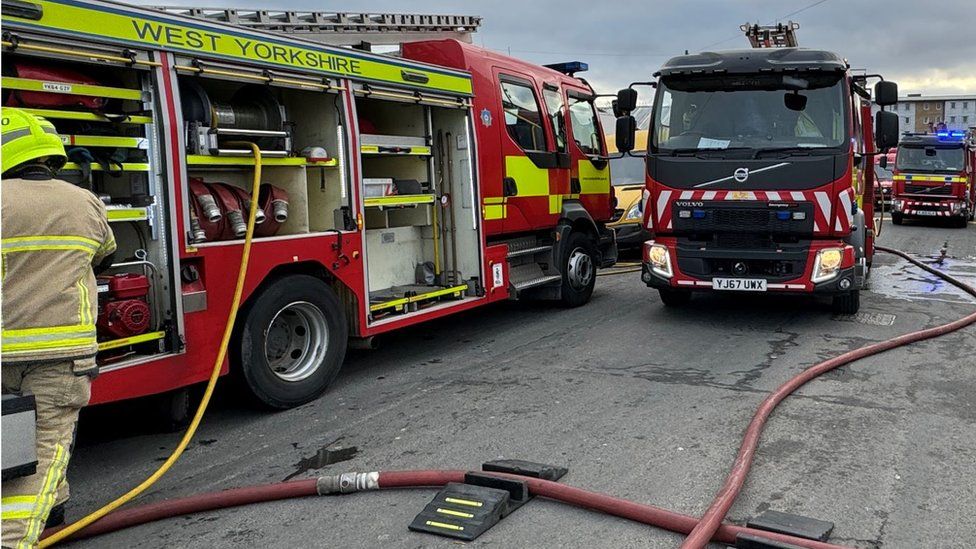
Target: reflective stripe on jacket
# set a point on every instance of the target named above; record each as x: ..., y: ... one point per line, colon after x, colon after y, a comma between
x: 53, y: 232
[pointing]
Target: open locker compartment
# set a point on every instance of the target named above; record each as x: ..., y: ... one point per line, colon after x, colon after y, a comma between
x: 105, y: 114
x: 303, y: 183
x: 422, y: 236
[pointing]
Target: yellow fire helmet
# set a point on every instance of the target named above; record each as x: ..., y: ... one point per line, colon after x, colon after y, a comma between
x: 27, y: 137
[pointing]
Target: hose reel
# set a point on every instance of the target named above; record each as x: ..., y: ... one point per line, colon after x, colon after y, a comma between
x: 253, y: 113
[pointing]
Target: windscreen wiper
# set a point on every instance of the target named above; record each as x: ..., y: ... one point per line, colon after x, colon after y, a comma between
x: 804, y: 151
x: 696, y: 151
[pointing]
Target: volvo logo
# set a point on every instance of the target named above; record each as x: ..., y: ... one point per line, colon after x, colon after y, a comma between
x: 741, y: 174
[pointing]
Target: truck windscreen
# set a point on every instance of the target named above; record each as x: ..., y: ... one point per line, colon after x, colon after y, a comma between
x: 753, y: 112
x: 929, y: 159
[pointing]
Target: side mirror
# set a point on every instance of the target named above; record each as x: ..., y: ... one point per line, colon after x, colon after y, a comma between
x: 883, y: 161
x: 626, y: 130
x: 615, y: 107
x: 885, y: 130
x: 885, y: 93
x: 626, y: 100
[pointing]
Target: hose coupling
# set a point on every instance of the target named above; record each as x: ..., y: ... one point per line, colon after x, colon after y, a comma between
x: 347, y: 483
x: 209, y: 208
x: 237, y: 224
x: 279, y: 209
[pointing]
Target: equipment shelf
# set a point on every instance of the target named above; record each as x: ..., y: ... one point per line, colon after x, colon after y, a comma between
x: 206, y: 160
x: 127, y: 214
x: 395, y: 150
x: 398, y: 200
x: 95, y: 167
x: 141, y: 338
x: 29, y: 84
x: 118, y: 118
x: 399, y: 298
x: 394, y: 145
x: 104, y: 141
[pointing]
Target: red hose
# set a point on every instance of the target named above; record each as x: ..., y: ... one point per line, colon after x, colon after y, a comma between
x: 715, y: 514
x: 709, y: 528
x: 646, y: 514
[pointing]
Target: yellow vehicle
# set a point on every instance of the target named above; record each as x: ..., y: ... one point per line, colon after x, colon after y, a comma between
x: 627, y: 177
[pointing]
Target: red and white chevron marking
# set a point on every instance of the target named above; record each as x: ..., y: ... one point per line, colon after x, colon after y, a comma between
x: 845, y: 213
x: 821, y: 200
x: 911, y: 207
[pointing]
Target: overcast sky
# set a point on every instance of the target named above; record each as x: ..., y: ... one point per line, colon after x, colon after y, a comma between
x: 925, y: 46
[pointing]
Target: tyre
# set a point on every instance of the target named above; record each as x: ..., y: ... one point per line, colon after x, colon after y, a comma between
x: 171, y: 410
x: 674, y: 298
x: 292, y: 342
x: 578, y: 269
x: 847, y: 303
x: 961, y: 222
x: 897, y: 218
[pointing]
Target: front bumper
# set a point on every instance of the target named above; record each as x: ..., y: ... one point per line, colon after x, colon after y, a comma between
x: 787, y: 271
x: 922, y: 208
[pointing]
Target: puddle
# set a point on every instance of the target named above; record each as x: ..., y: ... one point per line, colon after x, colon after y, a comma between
x: 323, y: 457
x: 871, y: 319
x: 903, y: 280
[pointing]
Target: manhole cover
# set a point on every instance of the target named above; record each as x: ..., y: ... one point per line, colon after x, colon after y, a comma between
x: 871, y: 319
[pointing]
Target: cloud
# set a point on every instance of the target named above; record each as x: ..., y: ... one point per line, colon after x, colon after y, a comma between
x: 928, y: 46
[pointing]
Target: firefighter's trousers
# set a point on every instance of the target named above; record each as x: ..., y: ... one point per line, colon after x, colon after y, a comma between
x: 60, y: 393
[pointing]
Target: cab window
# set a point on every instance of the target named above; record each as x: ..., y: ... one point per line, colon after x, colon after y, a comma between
x: 557, y: 119
x: 586, y: 129
x: 523, y: 117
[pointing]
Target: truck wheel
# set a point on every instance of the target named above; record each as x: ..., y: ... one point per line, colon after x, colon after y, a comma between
x: 961, y: 222
x: 847, y: 303
x: 897, y: 218
x: 674, y: 298
x: 292, y: 342
x: 579, y: 269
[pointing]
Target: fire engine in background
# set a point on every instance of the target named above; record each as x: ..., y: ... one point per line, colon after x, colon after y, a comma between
x: 760, y: 171
x: 934, y: 177
x: 396, y: 189
x: 884, y: 179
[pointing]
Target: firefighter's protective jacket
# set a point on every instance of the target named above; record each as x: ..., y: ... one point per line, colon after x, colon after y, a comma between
x: 52, y: 234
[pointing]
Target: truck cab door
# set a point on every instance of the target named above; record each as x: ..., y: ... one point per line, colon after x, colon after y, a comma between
x: 529, y: 161
x: 590, y: 172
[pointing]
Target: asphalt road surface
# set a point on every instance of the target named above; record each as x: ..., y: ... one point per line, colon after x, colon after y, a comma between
x: 639, y: 401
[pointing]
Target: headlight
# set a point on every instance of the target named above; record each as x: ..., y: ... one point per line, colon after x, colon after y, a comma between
x: 634, y: 212
x: 659, y: 259
x: 896, y: 205
x: 827, y: 265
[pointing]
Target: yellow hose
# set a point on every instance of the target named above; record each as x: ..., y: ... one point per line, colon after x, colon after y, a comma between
x: 198, y: 416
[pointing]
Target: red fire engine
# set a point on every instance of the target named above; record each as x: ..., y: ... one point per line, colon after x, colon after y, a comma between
x: 396, y: 189
x: 934, y: 177
x: 760, y: 172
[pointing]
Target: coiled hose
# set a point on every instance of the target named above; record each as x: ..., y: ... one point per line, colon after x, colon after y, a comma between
x: 709, y: 528
x: 65, y: 532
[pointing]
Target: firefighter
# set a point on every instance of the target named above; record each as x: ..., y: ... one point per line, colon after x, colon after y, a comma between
x: 53, y: 234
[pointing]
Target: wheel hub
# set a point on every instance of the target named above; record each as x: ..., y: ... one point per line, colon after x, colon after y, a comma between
x: 296, y: 341
x: 579, y: 269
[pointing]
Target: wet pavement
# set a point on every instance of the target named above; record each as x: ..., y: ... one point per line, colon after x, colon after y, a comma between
x: 637, y: 400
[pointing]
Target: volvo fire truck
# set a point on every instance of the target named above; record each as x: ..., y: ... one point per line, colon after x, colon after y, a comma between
x: 397, y: 189
x: 760, y: 171
x: 934, y: 177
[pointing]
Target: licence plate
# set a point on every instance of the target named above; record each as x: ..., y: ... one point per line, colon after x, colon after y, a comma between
x: 739, y: 284
x: 926, y: 212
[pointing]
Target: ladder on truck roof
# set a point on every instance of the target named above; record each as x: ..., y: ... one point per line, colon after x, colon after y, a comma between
x: 780, y: 35
x: 342, y: 28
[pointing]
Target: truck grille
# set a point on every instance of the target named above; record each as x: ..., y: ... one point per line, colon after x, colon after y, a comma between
x: 715, y: 217
x: 928, y: 189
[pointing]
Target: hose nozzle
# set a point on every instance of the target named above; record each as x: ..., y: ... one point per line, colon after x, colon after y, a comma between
x: 347, y: 483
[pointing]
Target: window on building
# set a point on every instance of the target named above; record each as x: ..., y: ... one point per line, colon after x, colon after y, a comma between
x: 925, y: 106
x: 906, y: 106
x: 952, y: 119
x: 906, y: 120
x: 952, y: 105
x: 938, y: 106
x: 522, y: 116
x: 965, y: 119
x: 965, y: 104
x: 928, y: 120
